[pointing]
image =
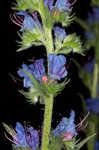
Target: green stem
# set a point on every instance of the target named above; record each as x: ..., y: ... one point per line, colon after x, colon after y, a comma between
x: 49, y: 101
x: 92, y: 127
x: 47, y: 123
x: 95, y: 82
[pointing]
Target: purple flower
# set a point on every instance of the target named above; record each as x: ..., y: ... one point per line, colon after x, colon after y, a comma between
x: 62, y: 5
x: 66, y: 125
x: 96, y: 145
x: 49, y: 3
x: 89, y: 66
x: 60, y: 34
x: 92, y: 105
x: 93, y: 17
x: 28, y: 23
x: 59, y: 5
x: 67, y: 128
x: 24, y: 137
x: 57, y: 68
x: 32, y: 138
x: 20, y: 137
x: 37, y: 70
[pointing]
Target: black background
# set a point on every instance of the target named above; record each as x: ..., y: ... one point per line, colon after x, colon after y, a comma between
x: 13, y: 105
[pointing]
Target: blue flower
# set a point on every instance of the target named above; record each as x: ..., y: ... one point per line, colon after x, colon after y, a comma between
x: 96, y: 145
x: 59, y: 5
x: 57, y: 68
x: 37, y: 70
x: 92, y: 105
x: 49, y: 3
x: 89, y: 66
x: 60, y: 34
x: 66, y: 125
x: 32, y: 138
x: 62, y: 5
x: 24, y: 137
x: 20, y: 137
x: 28, y: 23
x: 93, y: 17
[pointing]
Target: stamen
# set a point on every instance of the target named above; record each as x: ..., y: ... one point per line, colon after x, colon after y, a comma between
x: 81, y: 123
x: 10, y: 139
x: 15, y: 22
x: 20, y: 19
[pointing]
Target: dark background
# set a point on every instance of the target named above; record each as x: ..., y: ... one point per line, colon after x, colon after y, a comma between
x: 13, y: 105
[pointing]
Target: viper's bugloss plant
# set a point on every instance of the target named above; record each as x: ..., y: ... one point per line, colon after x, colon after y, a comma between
x: 38, y: 22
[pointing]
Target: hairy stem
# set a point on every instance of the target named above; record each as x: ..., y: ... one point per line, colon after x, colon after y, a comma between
x: 95, y: 82
x: 47, y: 123
x: 49, y: 101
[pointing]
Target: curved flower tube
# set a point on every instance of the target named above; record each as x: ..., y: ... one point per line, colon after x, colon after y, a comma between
x: 57, y: 68
x: 60, y: 35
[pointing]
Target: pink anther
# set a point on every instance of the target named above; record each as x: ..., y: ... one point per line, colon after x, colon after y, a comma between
x: 15, y: 21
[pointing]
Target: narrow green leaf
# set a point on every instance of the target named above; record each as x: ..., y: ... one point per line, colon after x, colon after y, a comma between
x: 84, y: 141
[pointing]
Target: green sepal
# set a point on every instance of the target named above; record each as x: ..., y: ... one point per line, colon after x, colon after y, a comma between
x: 71, y: 145
x: 75, y: 144
x: 19, y: 148
x: 63, y: 17
x: 22, y: 5
x: 9, y: 129
x: 73, y: 42
x: 55, y: 142
x: 80, y: 145
x: 30, y: 38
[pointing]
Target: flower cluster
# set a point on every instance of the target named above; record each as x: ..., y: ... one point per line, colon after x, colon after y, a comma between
x: 24, y: 137
x: 57, y: 70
